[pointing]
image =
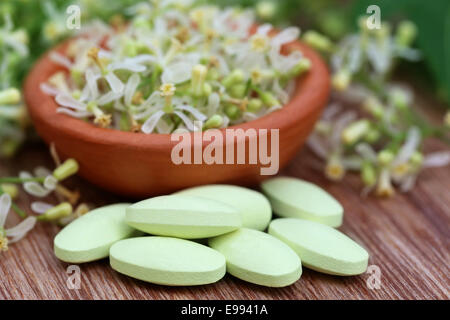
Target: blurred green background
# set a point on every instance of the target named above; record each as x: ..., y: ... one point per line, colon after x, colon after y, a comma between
x: 334, y: 18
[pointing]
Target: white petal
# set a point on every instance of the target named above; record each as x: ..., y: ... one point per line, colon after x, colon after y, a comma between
x: 197, y: 114
x: 264, y: 29
x: 287, y: 35
x: 114, y: 82
x: 5, y: 205
x: 213, y: 104
x: 35, y: 189
x: 437, y: 159
x: 177, y: 73
x: 48, y: 89
x: 25, y: 175
x: 366, y: 151
x: 61, y: 60
x: 67, y: 101
x: 41, y: 172
x: 126, y: 65
x: 91, y: 80
x: 317, y: 146
x: 130, y: 88
x: 109, y: 97
x: 41, y: 207
x: 409, y: 147
x: 151, y: 122
x: 75, y: 114
x: 19, y: 231
x: 50, y: 183
x: 188, y: 123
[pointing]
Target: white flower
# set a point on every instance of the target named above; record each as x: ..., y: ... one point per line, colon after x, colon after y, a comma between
x: 16, y: 233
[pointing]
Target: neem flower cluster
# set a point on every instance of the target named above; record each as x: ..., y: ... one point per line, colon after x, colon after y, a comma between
x: 173, y: 65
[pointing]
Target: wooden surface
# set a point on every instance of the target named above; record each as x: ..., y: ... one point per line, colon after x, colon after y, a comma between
x: 407, y: 238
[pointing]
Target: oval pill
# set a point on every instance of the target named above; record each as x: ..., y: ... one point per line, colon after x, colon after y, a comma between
x: 321, y: 247
x: 258, y: 257
x: 90, y: 236
x: 183, y: 216
x: 295, y: 198
x: 253, y: 206
x: 167, y: 261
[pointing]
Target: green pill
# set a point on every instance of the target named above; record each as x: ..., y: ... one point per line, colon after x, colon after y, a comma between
x: 253, y: 206
x: 321, y: 247
x: 89, y: 237
x: 258, y: 257
x: 167, y: 261
x: 183, y: 216
x: 295, y: 198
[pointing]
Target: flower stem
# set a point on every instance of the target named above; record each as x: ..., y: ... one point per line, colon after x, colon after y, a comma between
x: 21, y: 180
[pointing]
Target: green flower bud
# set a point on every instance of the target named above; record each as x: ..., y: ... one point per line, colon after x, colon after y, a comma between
x: 269, y: 99
x: 355, y: 131
x: 416, y: 159
x: 385, y: 157
x: 235, y: 77
x: 447, y: 119
x: 266, y: 10
x: 301, y: 67
x: 374, y: 107
x: 372, y: 135
x: 232, y: 111
x: 238, y: 91
x: 368, y: 174
x: 10, y: 96
x: 318, y: 41
x: 399, y: 98
x: 406, y: 33
x: 215, y: 121
x: 341, y: 80
x: 207, y: 89
x: 254, y: 105
x: 60, y: 211
x: 65, y: 170
x: 10, y: 189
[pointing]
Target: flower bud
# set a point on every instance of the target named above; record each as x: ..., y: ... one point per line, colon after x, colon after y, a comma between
x: 318, y: 41
x: 232, y: 111
x: 67, y: 169
x: 406, y: 33
x: 235, y: 77
x: 10, y: 189
x: 254, y: 105
x: 238, y: 91
x: 355, y: 131
x: 10, y: 96
x: 368, y: 174
x: 385, y: 157
x: 341, y: 80
x: 215, y: 121
x: 266, y: 9
x: 60, y: 211
x: 269, y: 99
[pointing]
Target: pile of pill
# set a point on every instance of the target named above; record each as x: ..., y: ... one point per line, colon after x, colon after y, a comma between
x: 195, y: 236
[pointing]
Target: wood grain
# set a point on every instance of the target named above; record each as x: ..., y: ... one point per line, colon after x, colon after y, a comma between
x: 407, y: 238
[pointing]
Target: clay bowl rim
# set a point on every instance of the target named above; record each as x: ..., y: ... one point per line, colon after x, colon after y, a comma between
x: 311, y: 93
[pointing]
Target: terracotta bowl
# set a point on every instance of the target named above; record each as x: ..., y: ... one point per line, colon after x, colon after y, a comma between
x: 140, y: 165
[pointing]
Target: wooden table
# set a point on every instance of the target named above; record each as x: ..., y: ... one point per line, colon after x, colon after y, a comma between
x: 407, y: 238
